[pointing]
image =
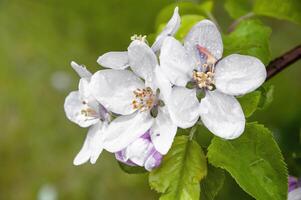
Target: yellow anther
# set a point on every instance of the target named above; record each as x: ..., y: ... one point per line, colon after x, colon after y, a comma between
x: 144, y: 99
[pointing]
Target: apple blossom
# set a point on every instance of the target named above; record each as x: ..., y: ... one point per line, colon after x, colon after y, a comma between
x: 198, y: 64
x: 83, y: 109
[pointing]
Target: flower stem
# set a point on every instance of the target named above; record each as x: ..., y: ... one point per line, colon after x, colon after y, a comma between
x: 192, y: 131
x: 283, y: 61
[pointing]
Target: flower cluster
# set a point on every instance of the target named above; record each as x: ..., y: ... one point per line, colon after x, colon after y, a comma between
x: 134, y: 107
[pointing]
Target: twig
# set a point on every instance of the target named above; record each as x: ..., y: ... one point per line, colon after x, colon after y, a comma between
x: 282, y: 62
x: 237, y: 21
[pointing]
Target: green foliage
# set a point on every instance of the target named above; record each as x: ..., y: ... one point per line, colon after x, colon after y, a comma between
x: 237, y: 8
x: 250, y: 37
x: 187, y: 21
x: 255, y: 162
x: 211, y: 185
x: 185, y: 8
x: 288, y: 9
x: 267, y: 96
x: 249, y: 102
x: 182, y: 169
x: 257, y: 100
x: 131, y: 169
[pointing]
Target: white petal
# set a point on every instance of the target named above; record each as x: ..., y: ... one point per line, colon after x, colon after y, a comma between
x: 142, y: 60
x: 170, y: 29
x: 295, y: 194
x: 204, y: 34
x: 183, y: 107
x: 73, y: 108
x: 162, y: 83
x: 125, y: 129
x: 175, y: 62
x: 239, y: 74
x: 114, y: 60
x: 153, y: 161
x: 138, y: 151
x: 163, y: 131
x: 83, y: 89
x: 222, y: 115
x: 92, y: 146
x: 81, y: 70
x: 114, y: 89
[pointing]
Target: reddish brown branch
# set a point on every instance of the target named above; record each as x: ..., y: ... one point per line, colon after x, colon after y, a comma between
x: 282, y: 62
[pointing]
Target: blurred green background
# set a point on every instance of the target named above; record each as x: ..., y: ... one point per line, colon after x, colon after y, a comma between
x: 39, y: 38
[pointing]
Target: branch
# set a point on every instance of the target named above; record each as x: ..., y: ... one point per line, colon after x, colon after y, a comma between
x: 282, y: 62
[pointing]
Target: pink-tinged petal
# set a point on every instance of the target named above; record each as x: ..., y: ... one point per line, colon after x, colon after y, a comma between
x: 206, y: 35
x: 170, y: 29
x: 222, y: 115
x: 153, y: 161
x: 114, y: 60
x: 295, y: 194
x: 239, y: 74
x: 125, y: 129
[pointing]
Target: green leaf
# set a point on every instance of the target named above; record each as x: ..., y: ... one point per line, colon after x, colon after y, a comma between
x: 250, y: 102
x: 182, y: 169
x: 187, y: 21
x: 267, y: 95
x: 211, y: 185
x: 131, y: 169
x: 280, y: 9
x: 237, y: 8
x: 250, y: 37
x: 185, y: 8
x: 254, y: 160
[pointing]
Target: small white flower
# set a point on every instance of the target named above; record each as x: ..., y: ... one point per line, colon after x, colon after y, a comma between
x: 83, y: 109
x: 140, y: 103
x: 121, y: 59
x: 198, y: 63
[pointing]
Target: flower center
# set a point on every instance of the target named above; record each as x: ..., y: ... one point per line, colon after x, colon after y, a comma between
x: 204, y: 79
x: 89, y: 113
x: 142, y: 38
x: 144, y: 99
x: 204, y: 75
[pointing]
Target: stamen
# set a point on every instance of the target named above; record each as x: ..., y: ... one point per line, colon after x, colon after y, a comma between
x: 88, y: 112
x: 204, y: 79
x: 144, y: 99
x: 142, y: 38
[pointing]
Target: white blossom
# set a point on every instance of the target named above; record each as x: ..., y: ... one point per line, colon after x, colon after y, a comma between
x: 83, y: 109
x: 138, y: 98
x: 198, y: 63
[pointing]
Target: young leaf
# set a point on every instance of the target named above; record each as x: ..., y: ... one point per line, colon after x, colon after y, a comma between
x: 179, y: 175
x: 211, y: 185
x: 187, y: 21
x: 288, y: 9
x: 131, y: 169
x: 267, y: 93
x: 249, y: 102
x: 237, y: 8
x: 250, y: 37
x: 185, y: 8
x: 254, y: 160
